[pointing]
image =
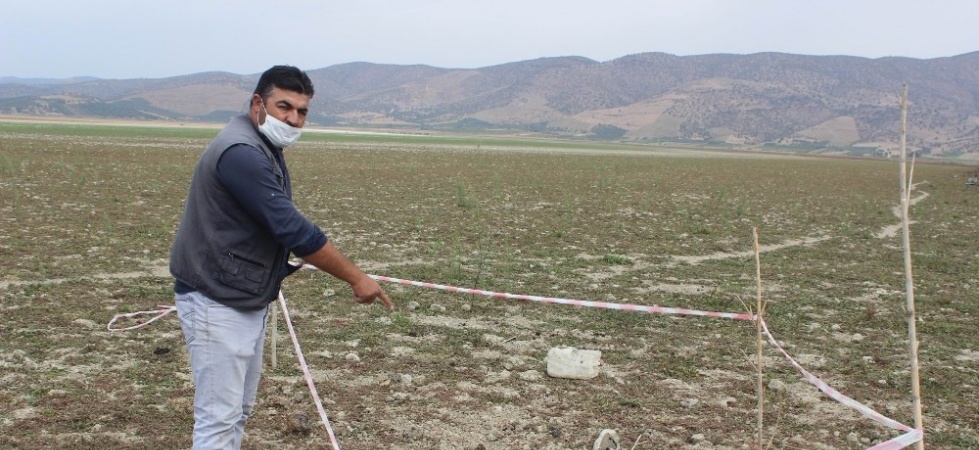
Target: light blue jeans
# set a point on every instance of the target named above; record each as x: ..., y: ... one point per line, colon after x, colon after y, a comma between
x: 225, y: 346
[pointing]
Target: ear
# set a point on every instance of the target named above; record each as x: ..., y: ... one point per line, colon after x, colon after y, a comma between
x: 255, y: 110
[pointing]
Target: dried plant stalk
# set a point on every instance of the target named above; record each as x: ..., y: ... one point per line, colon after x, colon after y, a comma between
x: 908, y: 279
x: 759, y: 310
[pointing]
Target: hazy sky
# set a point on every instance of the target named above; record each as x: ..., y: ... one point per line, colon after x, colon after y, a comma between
x: 153, y: 39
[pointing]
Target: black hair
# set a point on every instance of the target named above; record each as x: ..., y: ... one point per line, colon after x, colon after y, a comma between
x: 284, y: 77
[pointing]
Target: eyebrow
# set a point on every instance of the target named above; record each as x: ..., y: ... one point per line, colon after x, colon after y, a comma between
x: 302, y: 111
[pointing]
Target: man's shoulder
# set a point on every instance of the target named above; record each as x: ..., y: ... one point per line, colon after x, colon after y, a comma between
x: 239, y: 130
x: 240, y: 155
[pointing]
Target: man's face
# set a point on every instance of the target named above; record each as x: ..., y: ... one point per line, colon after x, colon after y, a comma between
x: 288, y: 106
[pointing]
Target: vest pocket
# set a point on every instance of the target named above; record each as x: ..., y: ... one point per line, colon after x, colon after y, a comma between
x: 243, y: 274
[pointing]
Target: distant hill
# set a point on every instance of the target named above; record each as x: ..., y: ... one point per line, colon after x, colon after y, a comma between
x: 18, y: 80
x: 840, y: 103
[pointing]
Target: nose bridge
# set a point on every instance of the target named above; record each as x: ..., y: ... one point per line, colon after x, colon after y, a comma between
x: 293, y: 117
x: 300, y: 117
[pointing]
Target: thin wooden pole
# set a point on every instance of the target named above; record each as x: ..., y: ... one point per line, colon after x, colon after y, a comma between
x: 908, y: 279
x: 275, y: 335
x: 759, y: 309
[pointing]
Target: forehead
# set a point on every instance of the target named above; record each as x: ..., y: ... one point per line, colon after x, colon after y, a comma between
x: 295, y: 99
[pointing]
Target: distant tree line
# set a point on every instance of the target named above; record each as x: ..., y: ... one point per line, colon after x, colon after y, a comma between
x: 604, y: 131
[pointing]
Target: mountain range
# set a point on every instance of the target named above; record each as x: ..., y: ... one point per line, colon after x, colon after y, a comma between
x: 847, y: 103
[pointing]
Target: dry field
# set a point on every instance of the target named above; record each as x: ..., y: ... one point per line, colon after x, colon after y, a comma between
x: 88, y: 214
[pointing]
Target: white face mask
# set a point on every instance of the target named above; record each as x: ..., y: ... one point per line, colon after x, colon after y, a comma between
x: 279, y: 133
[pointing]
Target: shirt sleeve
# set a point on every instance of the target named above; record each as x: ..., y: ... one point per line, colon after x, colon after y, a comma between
x: 248, y: 175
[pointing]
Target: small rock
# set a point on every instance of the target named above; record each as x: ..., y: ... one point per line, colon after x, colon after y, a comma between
x: 493, y: 339
x: 352, y: 357
x: 777, y: 385
x: 402, y: 351
x: 497, y: 377
x: 607, y: 440
x: 24, y: 414
x: 690, y: 402
x: 298, y: 423
x: 85, y: 323
x: 530, y: 375
x: 697, y: 438
x: 413, y: 306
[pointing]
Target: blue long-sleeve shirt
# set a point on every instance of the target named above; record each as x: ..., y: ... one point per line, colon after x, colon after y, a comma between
x: 243, y: 169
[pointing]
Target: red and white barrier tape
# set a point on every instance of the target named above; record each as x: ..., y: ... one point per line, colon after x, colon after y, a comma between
x: 164, y: 310
x: 565, y: 301
x: 899, y: 442
x: 160, y: 313
x: 307, y: 374
x: 568, y: 301
x: 912, y: 436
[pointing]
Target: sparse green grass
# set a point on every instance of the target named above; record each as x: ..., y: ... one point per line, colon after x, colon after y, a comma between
x: 88, y: 214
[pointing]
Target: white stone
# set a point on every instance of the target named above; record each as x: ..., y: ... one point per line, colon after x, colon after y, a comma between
x: 572, y: 363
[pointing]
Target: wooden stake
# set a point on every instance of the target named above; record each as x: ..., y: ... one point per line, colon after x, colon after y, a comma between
x: 908, y: 279
x: 275, y: 335
x: 759, y: 309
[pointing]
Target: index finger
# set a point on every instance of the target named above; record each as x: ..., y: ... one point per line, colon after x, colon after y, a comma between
x: 386, y: 300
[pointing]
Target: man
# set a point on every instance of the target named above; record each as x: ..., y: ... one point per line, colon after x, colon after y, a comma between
x: 231, y: 253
